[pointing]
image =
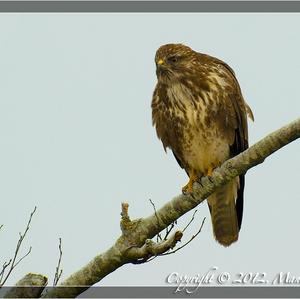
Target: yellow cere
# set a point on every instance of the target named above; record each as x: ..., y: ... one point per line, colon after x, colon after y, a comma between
x: 160, y: 61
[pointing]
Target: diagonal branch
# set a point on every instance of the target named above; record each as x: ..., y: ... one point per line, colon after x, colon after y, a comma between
x: 136, y: 232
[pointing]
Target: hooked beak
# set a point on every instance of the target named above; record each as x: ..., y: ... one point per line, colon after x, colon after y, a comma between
x: 160, y: 62
x: 160, y: 67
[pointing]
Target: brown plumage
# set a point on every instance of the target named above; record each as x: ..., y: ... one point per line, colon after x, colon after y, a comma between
x: 200, y: 114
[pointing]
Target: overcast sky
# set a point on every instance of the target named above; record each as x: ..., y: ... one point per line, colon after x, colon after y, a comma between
x: 76, y: 138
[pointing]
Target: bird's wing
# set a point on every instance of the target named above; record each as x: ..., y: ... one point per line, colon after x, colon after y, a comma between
x: 239, y: 110
x: 235, y: 123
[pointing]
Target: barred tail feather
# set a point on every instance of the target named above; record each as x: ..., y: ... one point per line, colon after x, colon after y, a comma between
x: 222, y: 205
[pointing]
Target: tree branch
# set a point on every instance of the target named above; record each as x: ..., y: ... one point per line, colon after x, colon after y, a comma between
x: 133, y: 242
x: 30, y: 286
x: 14, y: 262
x: 158, y: 236
x: 188, y: 242
x: 58, y: 271
x: 141, y: 254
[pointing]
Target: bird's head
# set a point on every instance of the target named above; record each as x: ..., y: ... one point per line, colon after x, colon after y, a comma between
x: 173, y: 61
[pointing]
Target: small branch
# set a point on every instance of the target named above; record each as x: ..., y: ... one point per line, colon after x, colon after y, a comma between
x: 26, y: 254
x: 189, y: 241
x: 125, y: 223
x: 58, y: 271
x: 165, y: 238
x: 169, y: 229
x: 150, y: 248
x: 158, y: 236
x: 1, y: 226
x: 124, y: 212
x: 5, y: 265
x: 192, y: 219
x: 13, y: 263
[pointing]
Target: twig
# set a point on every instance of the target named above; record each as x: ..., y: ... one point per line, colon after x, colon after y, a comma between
x: 168, y: 230
x: 189, y: 241
x: 140, y: 255
x: 20, y: 259
x: 193, y: 237
x: 5, y: 265
x: 1, y: 226
x: 13, y: 263
x: 58, y: 271
x: 192, y: 219
x: 158, y: 236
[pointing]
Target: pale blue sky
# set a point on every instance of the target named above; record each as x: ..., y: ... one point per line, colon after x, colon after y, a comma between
x: 76, y: 138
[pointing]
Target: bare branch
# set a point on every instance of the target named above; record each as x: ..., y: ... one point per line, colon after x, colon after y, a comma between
x: 5, y: 265
x: 150, y: 248
x: 58, y: 271
x: 158, y: 236
x: 192, y: 219
x: 20, y: 259
x: 168, y: 232
x: 169, y: 229
x: 189, y: 241
x: 136, y: 232
x: 13, y: 263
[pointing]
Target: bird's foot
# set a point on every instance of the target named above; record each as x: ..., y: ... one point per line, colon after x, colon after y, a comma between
x: 188, y: 188
x: 210, y: 171
x: 210, y: 179
x: 199, y: 181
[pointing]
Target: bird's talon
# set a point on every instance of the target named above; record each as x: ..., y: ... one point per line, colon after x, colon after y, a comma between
x: 199, y: 182
x: 187, y: 189
x: 210, y: 171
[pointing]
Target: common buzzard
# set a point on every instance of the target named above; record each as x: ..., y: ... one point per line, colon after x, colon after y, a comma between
x: 200, y: 114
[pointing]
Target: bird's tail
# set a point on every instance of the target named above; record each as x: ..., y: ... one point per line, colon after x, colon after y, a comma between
x: 223, y: 212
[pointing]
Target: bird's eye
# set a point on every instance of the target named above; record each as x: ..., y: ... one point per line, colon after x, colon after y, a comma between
x: 173, y: 59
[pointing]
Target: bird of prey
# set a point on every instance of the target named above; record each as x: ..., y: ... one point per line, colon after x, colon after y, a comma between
x: 199, y: 113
